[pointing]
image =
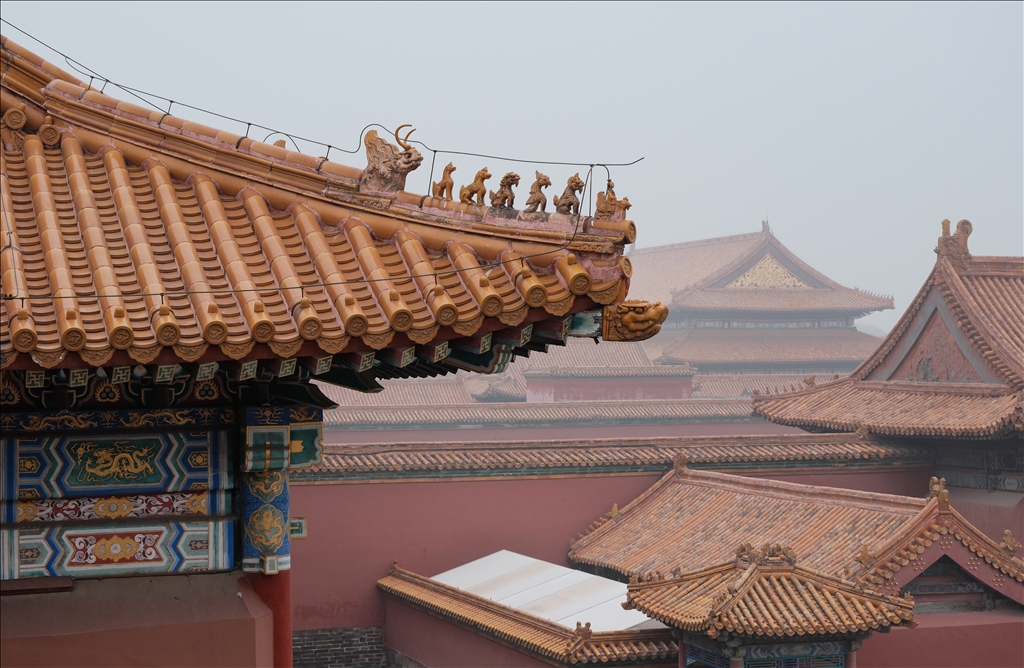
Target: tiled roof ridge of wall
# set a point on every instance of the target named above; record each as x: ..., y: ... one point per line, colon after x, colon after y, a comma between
x: 653, y: 441
x: 541, y: 413
x: 430, y: 462
x: 523, y: 629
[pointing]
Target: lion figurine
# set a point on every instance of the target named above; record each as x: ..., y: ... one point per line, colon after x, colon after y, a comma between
x: 476, y: 188
x: 443, y: 189
x: 505, y: 198
x: 568, y: 203
x: 537, y: 198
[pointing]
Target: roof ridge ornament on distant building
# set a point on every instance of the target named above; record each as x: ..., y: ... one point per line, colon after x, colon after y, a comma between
x: 954, y: 247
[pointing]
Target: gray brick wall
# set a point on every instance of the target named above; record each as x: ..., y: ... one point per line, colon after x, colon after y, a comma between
x: 339, y: 648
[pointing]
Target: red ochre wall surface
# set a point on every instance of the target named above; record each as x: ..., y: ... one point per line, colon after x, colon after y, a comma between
x: 171, y: 620
x: 355, y: 530
x: 435, y: 642
x: 993, y: 639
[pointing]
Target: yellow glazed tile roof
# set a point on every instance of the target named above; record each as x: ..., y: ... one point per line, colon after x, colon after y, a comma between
x: 770, y: 601
x: 131, y: 234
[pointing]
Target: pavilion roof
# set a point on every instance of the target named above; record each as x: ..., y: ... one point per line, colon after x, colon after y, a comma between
x: 773, y: 600
x: 143, y: 236
x: 718, y: 349
x: 748, y: 274
x: 952, y: 367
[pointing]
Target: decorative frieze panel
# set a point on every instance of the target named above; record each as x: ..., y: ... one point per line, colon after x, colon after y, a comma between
x: 216, y: 502
x: 88, y: 421
x: 56, y: 467
x: 112, y: 549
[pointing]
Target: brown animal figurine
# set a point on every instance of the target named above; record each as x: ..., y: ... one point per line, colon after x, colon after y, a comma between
x: 477, y: 188
x: 445, y: 187
x: 505, y: 198
x: 568, y: 203
x: 537, y: 198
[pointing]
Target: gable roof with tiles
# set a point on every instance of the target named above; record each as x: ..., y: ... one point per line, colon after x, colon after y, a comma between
x: 133, y: 236
x: 698, y: 522
x: 952, y: 367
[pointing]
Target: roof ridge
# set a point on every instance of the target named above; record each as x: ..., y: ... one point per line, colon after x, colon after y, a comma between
x: 787, y: 489
x: 710, y: 241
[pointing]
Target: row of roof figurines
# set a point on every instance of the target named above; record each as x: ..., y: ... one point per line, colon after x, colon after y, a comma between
x: 387, y: 167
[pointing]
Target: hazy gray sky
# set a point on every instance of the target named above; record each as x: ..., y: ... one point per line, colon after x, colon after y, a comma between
x: 856, y: 127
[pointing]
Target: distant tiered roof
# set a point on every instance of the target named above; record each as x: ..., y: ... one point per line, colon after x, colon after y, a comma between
x: 753, y: 274
x: 134, y: 236
x: 952, y: 367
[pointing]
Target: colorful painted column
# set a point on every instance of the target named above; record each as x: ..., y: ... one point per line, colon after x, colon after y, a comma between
x: 276, y: 439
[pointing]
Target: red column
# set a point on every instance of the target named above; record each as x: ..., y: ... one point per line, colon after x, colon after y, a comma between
x: 851, y: 658
x: 736, y: 663
x: 276, y: 592
x: 682, y: 651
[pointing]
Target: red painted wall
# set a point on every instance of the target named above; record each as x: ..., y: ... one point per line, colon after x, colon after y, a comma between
x: 175, y: 620
x: 436, y: 642
x: 970, y: 639
x: 357, y: 530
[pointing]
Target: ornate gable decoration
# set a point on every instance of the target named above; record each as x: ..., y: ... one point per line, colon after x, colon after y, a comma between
x: 768, y: 273
x: 936, y: 357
